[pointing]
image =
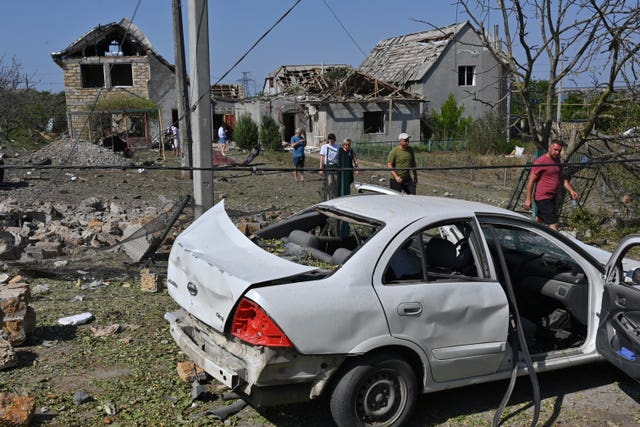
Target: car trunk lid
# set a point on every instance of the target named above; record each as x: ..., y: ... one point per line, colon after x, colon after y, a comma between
x: 212, y: 264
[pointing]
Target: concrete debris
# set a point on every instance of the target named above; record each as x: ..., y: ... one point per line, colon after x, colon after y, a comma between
x: 80, y: 397
x: 17, y: 318
x: 76, y: 319
x: 105, y: 331
x: 110, y: 408
x: 149, y: 281
x: 190, y: 372
x: 59, y: 230
x: 16, y: 410
x: 8, y: 358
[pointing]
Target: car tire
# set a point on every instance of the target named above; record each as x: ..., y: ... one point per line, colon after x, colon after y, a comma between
x: 376, y: 391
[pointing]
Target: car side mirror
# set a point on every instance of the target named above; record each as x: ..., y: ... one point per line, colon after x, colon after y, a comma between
x: 635, y: 276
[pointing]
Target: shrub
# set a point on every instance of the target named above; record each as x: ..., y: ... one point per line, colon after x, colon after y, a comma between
x: 245, y: 133
x: 269, y: 135
x: 487, y: 135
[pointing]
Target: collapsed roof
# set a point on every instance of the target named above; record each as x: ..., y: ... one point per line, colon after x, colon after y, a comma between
x: 228, y: 91
x: 403, y: 59
x: 335, y: 83
x: 115, y: 39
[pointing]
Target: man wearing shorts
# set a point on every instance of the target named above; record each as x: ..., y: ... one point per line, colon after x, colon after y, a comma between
x: 222, y: 136
x: 297, y: 144
x: 547, y: 177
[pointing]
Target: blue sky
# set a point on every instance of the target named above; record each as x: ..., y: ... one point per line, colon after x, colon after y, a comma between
x: 310, y: 34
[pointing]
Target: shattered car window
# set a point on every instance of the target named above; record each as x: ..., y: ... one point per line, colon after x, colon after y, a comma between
x: 319, y: 237
x: 443, y: 252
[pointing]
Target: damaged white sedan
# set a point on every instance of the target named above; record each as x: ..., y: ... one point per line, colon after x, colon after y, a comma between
x: 372, y: 299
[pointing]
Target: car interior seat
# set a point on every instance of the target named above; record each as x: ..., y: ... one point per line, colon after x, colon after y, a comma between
x: 441, y: 255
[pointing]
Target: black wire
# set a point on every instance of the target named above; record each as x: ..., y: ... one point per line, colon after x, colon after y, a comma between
x: 244, y: 55
x: 344, y: 28
x: 254, y: 169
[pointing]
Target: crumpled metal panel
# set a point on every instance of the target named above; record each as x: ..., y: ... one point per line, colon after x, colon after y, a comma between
x: 214, y: 260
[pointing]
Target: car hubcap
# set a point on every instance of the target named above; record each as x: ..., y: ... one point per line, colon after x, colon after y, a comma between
x: 381, y: 399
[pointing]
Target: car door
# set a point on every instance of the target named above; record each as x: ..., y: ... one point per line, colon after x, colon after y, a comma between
x: 618, y: 336
x: 459, y: 318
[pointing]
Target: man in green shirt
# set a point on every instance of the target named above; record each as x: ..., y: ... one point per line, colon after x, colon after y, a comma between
x: 401, y: 157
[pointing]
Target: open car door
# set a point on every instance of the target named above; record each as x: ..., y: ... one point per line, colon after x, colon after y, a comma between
x: 618, y: 336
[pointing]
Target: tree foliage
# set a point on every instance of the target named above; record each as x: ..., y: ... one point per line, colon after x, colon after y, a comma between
x: 269, y: 135
x: 25, y: 113
x: 245, y: 133
x: 569, y: 39
x: 486, y: 135
x: 448, y: 123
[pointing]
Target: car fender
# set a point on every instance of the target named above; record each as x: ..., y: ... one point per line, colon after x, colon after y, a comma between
x: 390, y: 342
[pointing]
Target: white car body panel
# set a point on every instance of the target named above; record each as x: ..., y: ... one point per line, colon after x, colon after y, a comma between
x: 221, y: 262
x: 456, y: 329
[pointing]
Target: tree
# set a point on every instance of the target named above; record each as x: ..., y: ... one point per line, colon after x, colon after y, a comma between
x: 582, y: 39
x: 269, y: 135
x: 245, y: 133
x: 26, y: 113
x: 449, y: 121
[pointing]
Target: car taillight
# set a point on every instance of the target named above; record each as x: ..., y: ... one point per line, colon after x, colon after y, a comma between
x: 253, y: 325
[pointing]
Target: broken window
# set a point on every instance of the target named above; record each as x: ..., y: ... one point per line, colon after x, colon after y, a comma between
x: 92, y: 75
x: 442, y: 253
x: 121, y: 75
x: 466, y: 75
x: 373, y: 122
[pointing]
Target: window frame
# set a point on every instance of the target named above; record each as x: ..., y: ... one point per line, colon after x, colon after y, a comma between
x: 466, y: 75
x: 373, y: 122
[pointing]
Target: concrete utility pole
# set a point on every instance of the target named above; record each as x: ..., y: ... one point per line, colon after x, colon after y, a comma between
x: 184, y: 112
x: 198, y: 18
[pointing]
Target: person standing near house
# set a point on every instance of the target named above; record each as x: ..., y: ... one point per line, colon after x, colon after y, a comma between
x: 297, y: 144
x: 347, y: 162
x: 328, y: 167
x: 547, y: 177
x: 222, y: 139
x: 401, y: 157
x: 175, y: 138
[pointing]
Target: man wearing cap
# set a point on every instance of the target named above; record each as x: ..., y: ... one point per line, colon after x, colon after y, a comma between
x: 400, y: 158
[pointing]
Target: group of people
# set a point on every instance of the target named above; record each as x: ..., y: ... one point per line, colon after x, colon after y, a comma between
x: 338, y: 166
x: 337, y: 163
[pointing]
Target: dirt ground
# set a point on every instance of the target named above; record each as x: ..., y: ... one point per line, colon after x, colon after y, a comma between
x: 131, y: 376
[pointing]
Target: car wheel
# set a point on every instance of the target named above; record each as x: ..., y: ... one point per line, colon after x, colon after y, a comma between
x: 377, y: 391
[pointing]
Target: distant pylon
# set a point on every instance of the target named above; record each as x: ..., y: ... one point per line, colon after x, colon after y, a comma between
x: 246, y: 81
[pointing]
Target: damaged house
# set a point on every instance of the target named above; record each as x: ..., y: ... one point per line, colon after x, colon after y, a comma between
x: 337, y: 99
x: 224, y: 98
x: 117, y: 84
x: 443, y: 61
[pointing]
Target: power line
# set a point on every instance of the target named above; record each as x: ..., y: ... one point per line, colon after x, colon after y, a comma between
x: 344, y: 28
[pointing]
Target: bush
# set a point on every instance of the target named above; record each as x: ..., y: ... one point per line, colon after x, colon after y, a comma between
x: 269, y: 135
x: 487, y: 135
x: 246, y: 132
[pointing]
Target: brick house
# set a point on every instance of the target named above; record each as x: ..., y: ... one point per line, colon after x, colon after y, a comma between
x: 116, y: 83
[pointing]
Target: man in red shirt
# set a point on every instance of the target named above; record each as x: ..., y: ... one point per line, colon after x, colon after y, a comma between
x: 547, y: 177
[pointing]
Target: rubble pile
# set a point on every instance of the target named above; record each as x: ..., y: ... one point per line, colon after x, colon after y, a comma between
x: 67, y: 151
x: 55, y: 230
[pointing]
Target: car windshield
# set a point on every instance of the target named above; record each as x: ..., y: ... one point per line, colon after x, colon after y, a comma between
x: 320, y: 237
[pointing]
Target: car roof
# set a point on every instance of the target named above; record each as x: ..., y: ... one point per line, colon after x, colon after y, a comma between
x: 405, y: 208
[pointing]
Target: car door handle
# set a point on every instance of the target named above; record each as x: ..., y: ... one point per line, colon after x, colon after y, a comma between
x: 410, y: 309
x: 621, y: 301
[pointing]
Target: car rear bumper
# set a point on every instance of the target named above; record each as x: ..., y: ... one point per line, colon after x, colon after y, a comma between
x: 263, y: 375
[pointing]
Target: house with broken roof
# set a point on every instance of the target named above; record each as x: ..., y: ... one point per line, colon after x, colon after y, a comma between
x: 337, y: 99
x: 116, y: 83
x: 443, y: 61
x: 224, y: 98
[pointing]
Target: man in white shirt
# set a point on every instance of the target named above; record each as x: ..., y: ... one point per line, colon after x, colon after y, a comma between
x: 329, y: 160
x: 222, y: 135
